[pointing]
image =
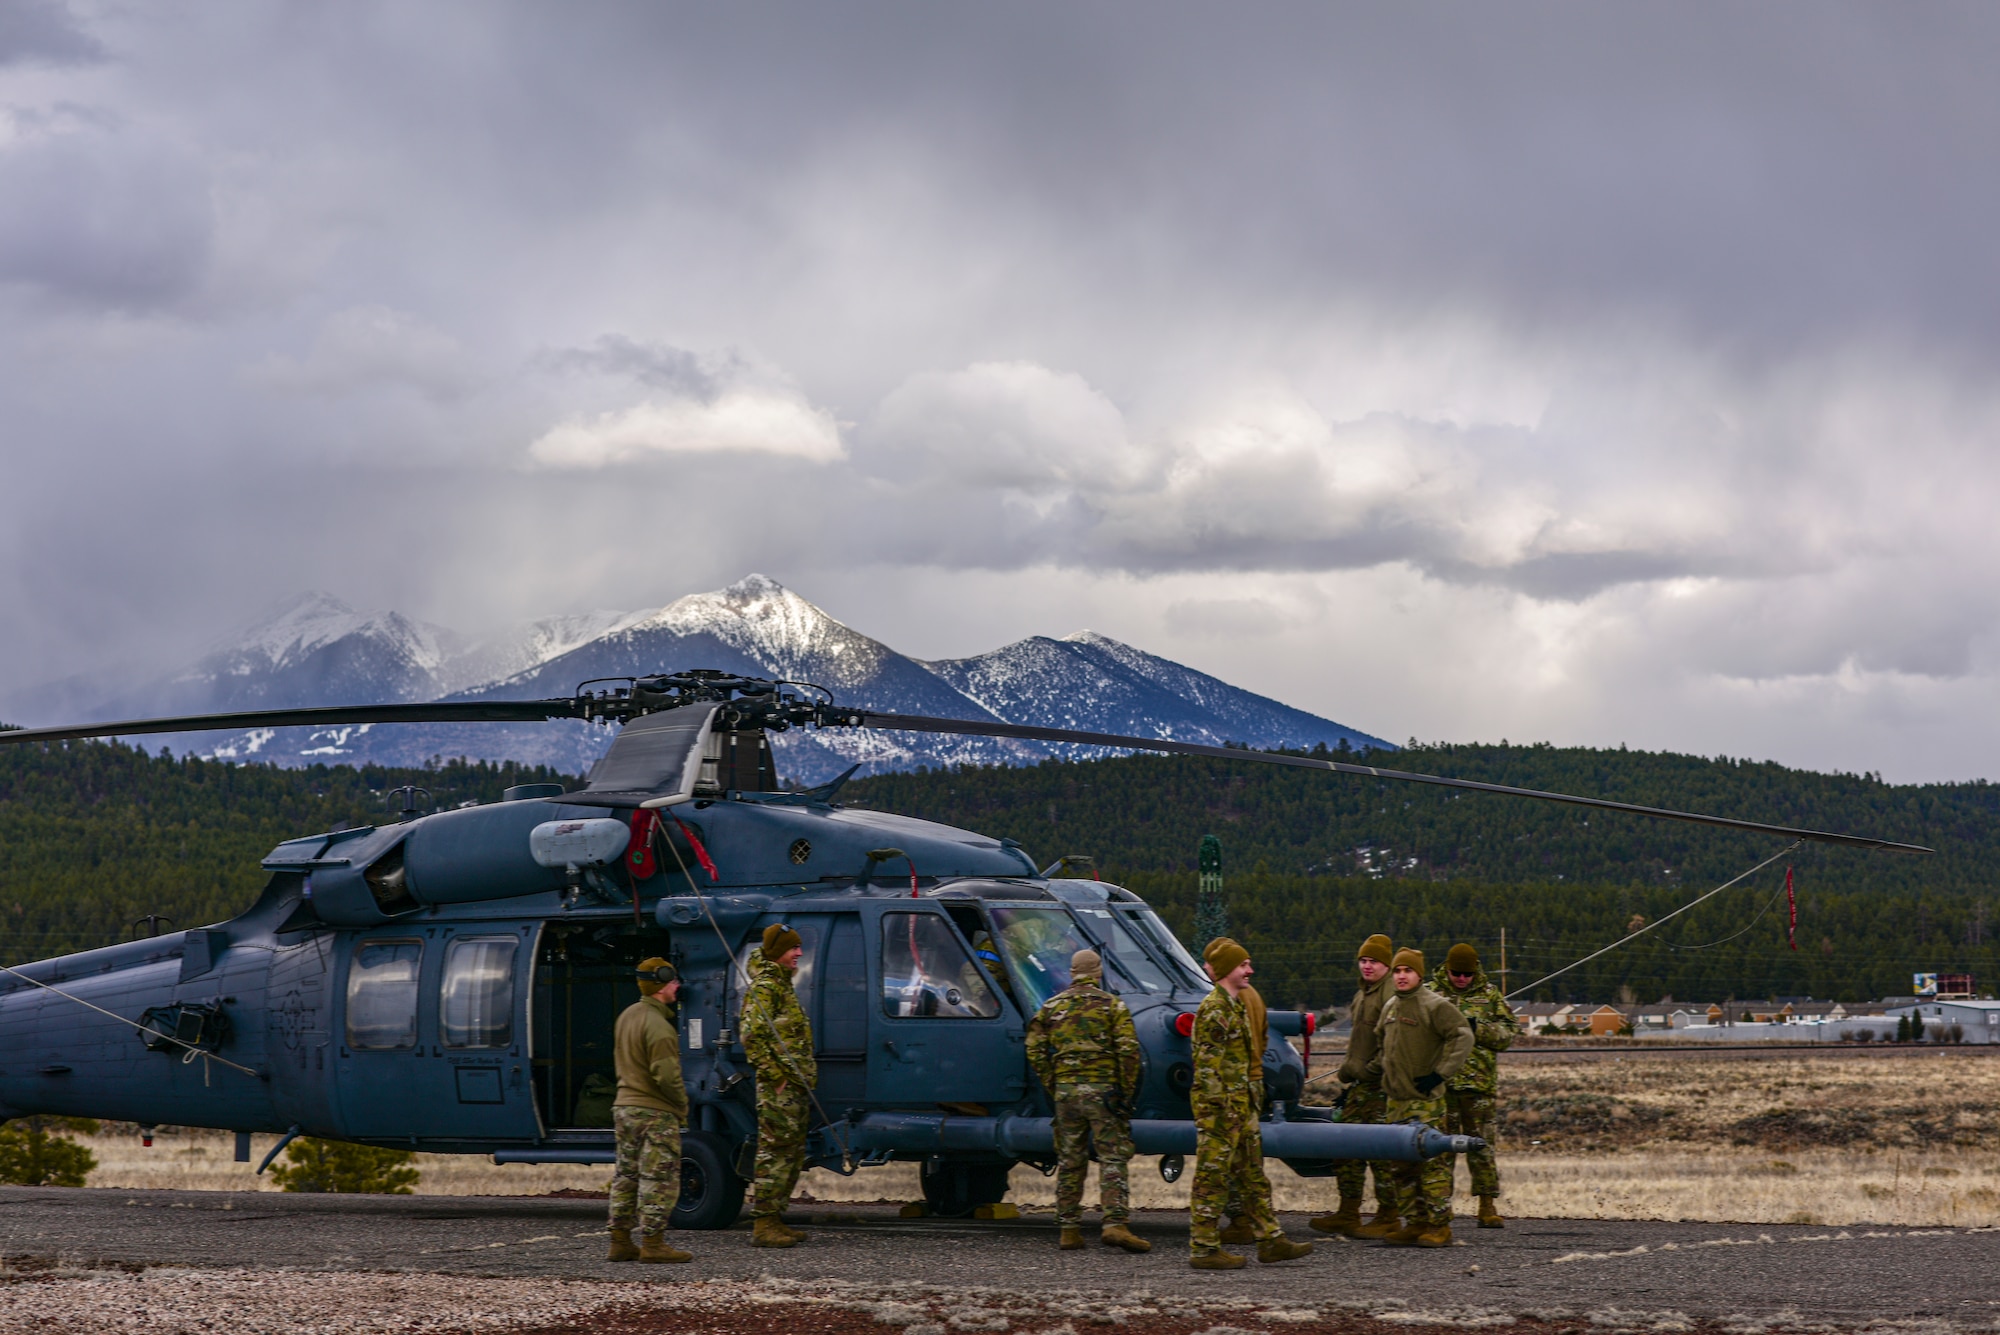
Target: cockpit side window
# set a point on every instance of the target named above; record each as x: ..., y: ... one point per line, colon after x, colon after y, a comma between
x: 1038, y: 942
x: 927, y: 974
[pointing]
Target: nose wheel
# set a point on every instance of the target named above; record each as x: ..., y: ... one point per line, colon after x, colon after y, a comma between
x: 711, y: 1192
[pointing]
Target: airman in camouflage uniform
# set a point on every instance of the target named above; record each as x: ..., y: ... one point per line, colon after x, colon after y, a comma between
x: 1227, y: 1099
x: 647, y: 1117
x: 1425, y: 1042
x: 1240, y: 1229
x: 1471, y: 1096
x: 1364, y: 1101
x: 778, y: 1039
x: 1082, y: 1046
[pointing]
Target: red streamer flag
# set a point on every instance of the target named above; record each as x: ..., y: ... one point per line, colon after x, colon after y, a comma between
x: 1791, y: 903
x: 700, y: 853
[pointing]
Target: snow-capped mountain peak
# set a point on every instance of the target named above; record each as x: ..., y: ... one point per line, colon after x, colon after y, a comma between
x: 761, y: 618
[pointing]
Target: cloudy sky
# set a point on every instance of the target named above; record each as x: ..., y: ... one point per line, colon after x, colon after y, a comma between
x: 1596, y: 374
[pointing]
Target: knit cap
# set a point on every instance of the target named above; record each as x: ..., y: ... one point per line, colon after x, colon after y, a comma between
x: 1461, y: 958
x: 1086, y: 964
x: 1222, y: 957
x: 1409, y: 957
x: 1375, y: 948
x: 778, y: 939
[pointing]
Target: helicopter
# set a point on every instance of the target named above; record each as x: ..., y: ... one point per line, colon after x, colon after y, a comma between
x: 448, y: 982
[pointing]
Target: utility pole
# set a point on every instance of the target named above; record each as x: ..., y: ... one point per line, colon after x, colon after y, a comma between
x: 1211, y: 913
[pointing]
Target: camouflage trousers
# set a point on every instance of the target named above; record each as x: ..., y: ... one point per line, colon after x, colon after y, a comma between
x: 1365, y: 1104
x: 1423, y: 1190
x: 781, y: 1147
x: 1229, y: 1153
x: 647, y: 1181
x: 1084, y: 1120
x: 1469, y: 1112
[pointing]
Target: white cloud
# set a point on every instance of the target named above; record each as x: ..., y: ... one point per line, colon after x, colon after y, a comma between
x: 736, y: 421
x: 1015, y: 425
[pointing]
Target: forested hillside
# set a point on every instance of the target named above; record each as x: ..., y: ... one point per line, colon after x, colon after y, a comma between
x: 95, y: 835
x: 92, y: 836
x: 1314, y: 862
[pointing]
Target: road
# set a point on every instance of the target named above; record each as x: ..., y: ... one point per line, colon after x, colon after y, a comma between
x: 1715, y: 1274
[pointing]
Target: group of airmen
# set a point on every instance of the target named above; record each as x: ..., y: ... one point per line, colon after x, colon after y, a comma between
x: 1422, y: 1050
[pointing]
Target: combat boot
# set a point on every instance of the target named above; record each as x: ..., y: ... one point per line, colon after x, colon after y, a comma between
x: 788, y: 1230
x: 768, y: 1232
x: 653, y: 1247
x: 1271, y: 1250
x: 1343, y: 1221
x: 1381, y: 1226
x: 1406, y: 1236
x: 1489, y: 1214
x: 1123, y: 1238
x: 1216, y: 1261
x: 1437, y: 1235
x: 622, y: 1248
x: 1072, y: 1238
x: 1239, y: 1232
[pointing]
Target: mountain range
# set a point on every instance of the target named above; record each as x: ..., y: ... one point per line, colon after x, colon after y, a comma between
x: 316, y: 650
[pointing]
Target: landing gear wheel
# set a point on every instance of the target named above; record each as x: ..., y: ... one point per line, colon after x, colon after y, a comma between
x: 711, y: 1193
x: 955, y: 1190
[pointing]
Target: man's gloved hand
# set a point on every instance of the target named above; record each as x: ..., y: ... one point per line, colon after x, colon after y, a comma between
x: 1426, y: 1083
x: 1340, y: 1099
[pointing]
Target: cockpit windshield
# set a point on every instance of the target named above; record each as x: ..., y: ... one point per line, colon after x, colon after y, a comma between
x: 1147, y: 923
x: 1038, y: 942
x: 1127, y: 954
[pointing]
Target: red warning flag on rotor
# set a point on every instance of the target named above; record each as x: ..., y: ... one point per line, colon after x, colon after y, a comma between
x: 1792, y: 905
x: 700, y: 853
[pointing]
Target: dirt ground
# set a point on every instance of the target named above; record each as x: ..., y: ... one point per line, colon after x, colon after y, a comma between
x: 1806, y: 1140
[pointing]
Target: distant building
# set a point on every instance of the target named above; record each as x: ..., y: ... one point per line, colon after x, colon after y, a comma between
x: 1977, y: 1021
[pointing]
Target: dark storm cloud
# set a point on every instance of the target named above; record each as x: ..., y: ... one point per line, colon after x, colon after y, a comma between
x: 34, y: 32
x: 1652, y: 342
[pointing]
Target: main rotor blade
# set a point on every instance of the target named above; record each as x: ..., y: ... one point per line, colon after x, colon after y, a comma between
x: 918, y: 723
x: 465, y: 711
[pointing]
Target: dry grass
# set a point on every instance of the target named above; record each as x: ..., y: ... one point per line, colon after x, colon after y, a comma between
x: 183, y: 1159
x: 1807, y: 1140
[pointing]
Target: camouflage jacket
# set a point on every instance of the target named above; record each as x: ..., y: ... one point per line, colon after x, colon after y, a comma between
x: 1227, y: 1068
x: 1493, y: 1029
x: 1084, y: 1036
x: 776, y: 1034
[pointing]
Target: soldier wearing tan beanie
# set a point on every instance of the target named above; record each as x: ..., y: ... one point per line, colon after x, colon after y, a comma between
x: 1425, y: 1042
x: 1364, y: 1101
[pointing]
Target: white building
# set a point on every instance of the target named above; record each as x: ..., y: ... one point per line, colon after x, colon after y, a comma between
x: 1977, y: 1021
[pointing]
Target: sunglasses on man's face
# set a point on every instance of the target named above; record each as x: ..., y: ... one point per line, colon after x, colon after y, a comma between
x: 1456, y: 974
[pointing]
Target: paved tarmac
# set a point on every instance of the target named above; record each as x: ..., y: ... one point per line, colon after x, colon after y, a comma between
x: 1845, y: 1277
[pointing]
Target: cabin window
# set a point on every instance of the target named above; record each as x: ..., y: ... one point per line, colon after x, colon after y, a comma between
x: 927, y: 973
x: 382, y: 994
x: 476, y: 995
